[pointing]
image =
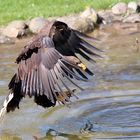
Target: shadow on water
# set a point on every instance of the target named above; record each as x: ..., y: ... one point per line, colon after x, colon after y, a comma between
x: 109, y: 108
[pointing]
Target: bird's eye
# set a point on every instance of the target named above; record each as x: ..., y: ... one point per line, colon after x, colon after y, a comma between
x: 59, y: 28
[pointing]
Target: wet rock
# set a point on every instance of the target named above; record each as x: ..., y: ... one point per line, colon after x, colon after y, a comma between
x: 119, y: 9
x: 81, y: 24
x: 6, y: 40
x: 15, y: 29
x: 138, y: 2
x: 36, y: 24
x: 132, y: 6
x: 138, y: 8
x: 89, y: 14
x: 109, y: 17
x: 100, y: 20
x: 68, y: 20
x: 133, y: 18
x: 14, y: 32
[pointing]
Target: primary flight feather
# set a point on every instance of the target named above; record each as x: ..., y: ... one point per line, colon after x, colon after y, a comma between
x: 46, y: 63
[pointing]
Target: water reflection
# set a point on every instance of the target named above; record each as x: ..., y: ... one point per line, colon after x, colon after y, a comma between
x: 109, y: 108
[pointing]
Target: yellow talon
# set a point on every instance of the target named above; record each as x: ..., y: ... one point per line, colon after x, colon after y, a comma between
x: 82, y: 66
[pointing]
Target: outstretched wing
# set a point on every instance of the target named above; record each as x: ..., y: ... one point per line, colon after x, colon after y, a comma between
x: 71, y: 42
x: 46, y: 62
x: 41, y: 73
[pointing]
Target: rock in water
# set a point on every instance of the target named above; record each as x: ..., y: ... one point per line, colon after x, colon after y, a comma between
x: 89, y: 14
x: 132, y: 6
x: 15, y: 29
x: 120, y: 8
x: 36, y: 24
x: 133, y: 18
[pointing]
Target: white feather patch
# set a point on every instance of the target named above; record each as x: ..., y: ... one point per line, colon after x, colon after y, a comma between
x: 7, y: 100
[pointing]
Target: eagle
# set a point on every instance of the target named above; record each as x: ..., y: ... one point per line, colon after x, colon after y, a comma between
x: 48, y: 63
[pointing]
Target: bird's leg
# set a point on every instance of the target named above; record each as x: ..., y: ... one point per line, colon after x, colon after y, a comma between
x: 74, y: 60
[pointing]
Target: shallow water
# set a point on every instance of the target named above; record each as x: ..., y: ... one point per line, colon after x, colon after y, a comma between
x: 109, y: 108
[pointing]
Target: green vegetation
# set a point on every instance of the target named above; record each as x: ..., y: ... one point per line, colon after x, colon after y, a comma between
x: 26, y: 9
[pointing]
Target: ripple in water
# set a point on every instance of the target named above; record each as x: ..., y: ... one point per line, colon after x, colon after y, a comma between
x: 109, y: 110
x: 114, y: 113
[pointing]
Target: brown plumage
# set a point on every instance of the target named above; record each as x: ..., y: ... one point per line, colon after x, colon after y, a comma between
x: 46, y: 61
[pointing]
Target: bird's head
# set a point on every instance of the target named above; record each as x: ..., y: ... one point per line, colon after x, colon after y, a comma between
x: 58, y: 30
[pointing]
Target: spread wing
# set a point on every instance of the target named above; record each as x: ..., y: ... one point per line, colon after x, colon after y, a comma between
x: 41, y: 73
x: 46, y: 63
x: 71, y: 42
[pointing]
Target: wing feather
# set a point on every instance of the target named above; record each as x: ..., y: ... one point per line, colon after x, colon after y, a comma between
x: 46, y: 62
x: 71, y: 42
x: 42, y: 74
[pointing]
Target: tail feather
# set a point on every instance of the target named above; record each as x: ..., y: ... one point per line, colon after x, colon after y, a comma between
x: 5, y: 104
x: 15, y: 88
x: 62, y: 98
x: 12, y: 100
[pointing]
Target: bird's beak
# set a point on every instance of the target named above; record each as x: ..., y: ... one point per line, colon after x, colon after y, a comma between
x: 82, y: 66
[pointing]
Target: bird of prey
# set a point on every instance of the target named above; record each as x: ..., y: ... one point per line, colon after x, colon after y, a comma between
x: 49, y: 62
